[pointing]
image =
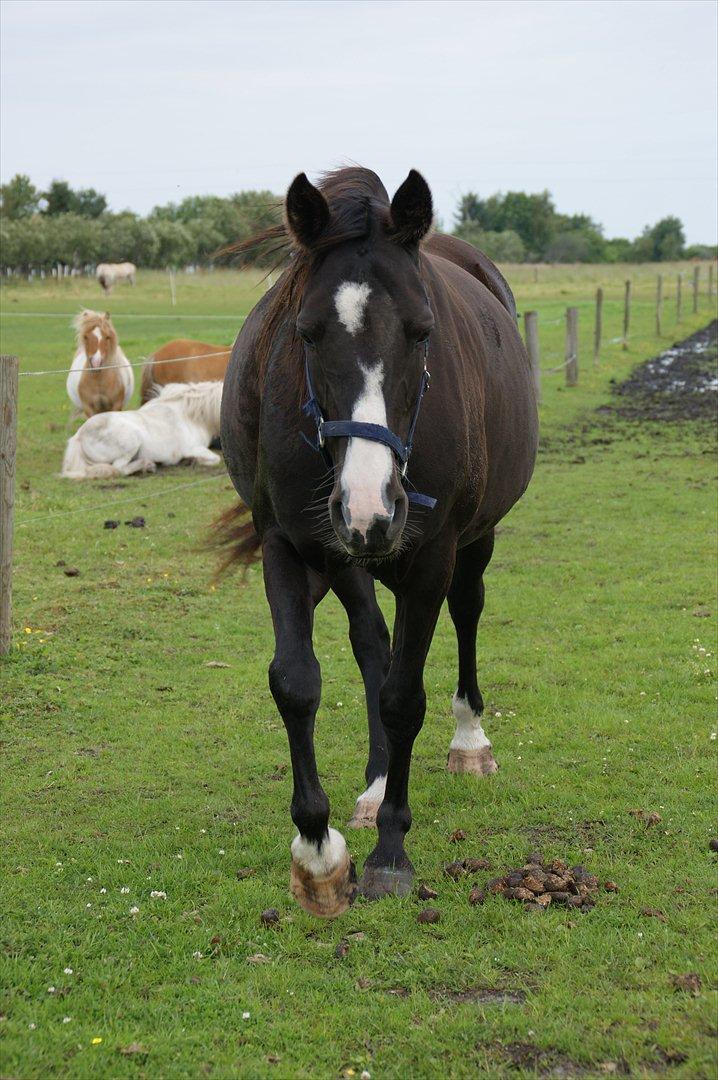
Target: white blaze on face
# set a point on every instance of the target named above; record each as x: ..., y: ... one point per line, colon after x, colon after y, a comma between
x: 368, y: 465
x: 96, y: 358
x: 350, y: 300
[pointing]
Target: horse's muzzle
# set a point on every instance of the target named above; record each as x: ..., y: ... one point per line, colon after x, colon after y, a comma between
x: 380, y: 538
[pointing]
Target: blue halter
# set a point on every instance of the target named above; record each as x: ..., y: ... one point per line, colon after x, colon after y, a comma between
x: 357, y: 429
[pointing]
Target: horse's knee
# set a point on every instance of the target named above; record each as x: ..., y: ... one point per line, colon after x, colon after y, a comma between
x: 402, y: 711
x: 296, y: 688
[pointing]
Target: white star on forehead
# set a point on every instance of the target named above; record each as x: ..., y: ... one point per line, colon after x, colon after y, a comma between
x: 350, y: 301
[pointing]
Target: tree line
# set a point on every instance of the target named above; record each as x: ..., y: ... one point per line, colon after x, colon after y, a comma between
x: 74, y: 228
x: 521, y: 227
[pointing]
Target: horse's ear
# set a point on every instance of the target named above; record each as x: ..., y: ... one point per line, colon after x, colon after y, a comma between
x: 412, y: 209
x: 307, y: 211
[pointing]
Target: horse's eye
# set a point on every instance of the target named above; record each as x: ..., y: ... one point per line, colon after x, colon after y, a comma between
x: 306, y: 337
x: 423, y: 337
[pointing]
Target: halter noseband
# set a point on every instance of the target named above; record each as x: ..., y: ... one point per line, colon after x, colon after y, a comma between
x: 357, y: 429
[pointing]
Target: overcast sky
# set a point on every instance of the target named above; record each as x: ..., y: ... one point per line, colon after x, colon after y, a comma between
x: 609, y: 105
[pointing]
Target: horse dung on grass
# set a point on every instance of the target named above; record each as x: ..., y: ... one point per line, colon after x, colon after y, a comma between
x: 178, y: 424
x: 356, y: 470
x: 101, y: 378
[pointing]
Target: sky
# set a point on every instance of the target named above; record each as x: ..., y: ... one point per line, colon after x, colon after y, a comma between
x: 609, y: 105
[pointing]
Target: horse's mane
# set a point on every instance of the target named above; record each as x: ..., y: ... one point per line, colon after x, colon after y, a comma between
x: 201, y: 400
x: 359, y: 206
x: 87, y: 320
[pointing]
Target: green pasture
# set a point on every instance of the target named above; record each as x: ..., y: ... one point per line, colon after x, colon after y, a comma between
x: 133, y: 765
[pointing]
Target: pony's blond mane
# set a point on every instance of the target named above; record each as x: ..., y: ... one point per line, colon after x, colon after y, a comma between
x: 87, y: 320
x: 201, y: 400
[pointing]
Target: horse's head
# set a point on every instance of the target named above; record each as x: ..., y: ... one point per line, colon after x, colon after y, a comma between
x: 365, y: 320
x: 99, y: 339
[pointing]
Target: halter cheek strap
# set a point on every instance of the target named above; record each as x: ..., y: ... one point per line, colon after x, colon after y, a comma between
x: 357, y: 429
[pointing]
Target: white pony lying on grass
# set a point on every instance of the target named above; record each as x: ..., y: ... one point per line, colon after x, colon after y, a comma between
x: 179, y: 423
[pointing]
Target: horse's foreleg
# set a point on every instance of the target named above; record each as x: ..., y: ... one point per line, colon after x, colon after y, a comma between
x: 470, y: 750
x: 202, y: 456
x: 402, y: 702
x: 370, y: 643
x: 322, y: 877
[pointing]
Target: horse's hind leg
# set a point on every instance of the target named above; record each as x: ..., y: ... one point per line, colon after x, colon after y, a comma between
x: 323, y: 876
x: 470, y: 750
x: 370, y: 643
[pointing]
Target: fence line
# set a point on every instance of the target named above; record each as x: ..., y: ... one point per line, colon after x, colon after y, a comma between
x: 31, y: 519
x: 120, y: 315
x: 135, y: 363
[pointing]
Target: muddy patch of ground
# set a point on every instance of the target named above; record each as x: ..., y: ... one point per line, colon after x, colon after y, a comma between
x: 679, y: 384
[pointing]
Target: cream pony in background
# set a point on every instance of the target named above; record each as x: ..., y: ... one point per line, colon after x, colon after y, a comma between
x: 101, y: 378
x: 178, y: 424
x: 108, y: 274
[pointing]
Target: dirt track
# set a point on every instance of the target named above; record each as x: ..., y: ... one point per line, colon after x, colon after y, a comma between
x: 679, y: 384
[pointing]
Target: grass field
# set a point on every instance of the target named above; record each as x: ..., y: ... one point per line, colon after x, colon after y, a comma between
x: 132, y: 767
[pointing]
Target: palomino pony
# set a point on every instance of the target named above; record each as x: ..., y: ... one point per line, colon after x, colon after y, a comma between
x: 178, y: 424
x: 108, y: 274
x: 183, y: 361
x: 101, y: 378
x: 373, y: 480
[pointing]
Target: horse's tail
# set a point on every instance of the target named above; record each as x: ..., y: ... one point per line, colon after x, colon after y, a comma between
x: 148, y: 388
x: 75, y: 465
x: 235, y: 537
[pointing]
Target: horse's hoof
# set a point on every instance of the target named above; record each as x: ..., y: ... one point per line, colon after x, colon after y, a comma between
x: 364, y: 816
x: 479, y: 762
x: 379, y: 881
x: 367, y: 805
x: 326, y: 892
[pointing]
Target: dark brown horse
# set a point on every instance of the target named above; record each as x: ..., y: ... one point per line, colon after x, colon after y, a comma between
x: 339, y: 495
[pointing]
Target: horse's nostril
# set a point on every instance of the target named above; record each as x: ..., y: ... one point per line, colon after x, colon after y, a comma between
x: 346, y: 514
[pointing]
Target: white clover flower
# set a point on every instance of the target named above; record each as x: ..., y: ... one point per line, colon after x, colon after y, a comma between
x: 221, y: 851
x: 134, y: 911
x: 51, y: 989
x: 124, y: 889
x: 66, y: 1019
x: 103, y: 890
x: 68, y: 971
x: 245, y: 1016
x: 198, y: 955
x: 158, y: 894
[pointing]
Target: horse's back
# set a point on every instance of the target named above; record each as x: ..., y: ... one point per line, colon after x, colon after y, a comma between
x: 181, y: 361
x: 474, y: 262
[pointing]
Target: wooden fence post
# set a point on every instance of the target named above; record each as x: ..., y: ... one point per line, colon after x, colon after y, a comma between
x: 696, y: 278
x: 679, y: 290
x: 659, y: 303
x: 532, y: 347
x: 598, y: 326
x: 173, y: 294
x: 626, y: 314
x: 571, y: 346
x: 8, y: 444
x: 710, y: 282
